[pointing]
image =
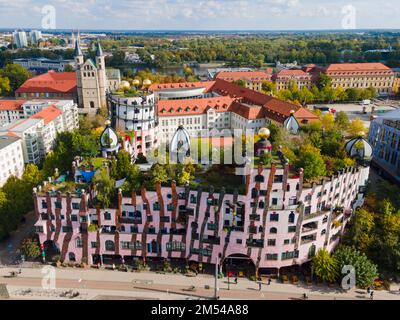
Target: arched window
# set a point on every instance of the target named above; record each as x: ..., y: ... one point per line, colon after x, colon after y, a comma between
x: 254, y: 193
x: 110, y: 246
x: 71, y: 256
x: 273, y: 230
x: 323, y: 232
x: 291, y: 217
x: 91, y: 104
x: 123, y: 228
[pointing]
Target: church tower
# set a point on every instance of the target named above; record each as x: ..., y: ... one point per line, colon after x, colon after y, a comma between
x: 101, y: 73
x: 79, y: 62
x: 91, y: 80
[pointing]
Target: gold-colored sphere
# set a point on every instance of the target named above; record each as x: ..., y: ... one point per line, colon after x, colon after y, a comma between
x: 125, y: 85
x: 136, y: 82
x: 146, y: 82
x: 264, y: 133
x: 292, y: 112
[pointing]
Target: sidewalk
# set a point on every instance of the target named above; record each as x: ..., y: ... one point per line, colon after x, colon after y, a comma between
x: 160, y: 284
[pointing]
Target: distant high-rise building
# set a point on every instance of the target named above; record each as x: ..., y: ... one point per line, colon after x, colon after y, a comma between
x: 35, y: 36
x: 20, y: 39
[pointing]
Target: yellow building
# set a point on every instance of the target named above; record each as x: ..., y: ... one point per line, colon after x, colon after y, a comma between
x: 362, y: 76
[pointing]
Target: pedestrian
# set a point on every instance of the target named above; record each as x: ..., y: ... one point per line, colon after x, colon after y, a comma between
x: 372, y: 295
x: 269, y: 281
x: 236, y: 280
x: 259, y: 286
x: 369, y: 290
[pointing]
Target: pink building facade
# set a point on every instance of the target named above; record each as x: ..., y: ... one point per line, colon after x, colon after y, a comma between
x: 279, y: 222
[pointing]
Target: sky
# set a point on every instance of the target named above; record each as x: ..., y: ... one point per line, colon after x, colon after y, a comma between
x: 201, y: 14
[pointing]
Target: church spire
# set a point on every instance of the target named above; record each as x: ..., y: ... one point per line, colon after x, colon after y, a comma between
x: 99, y: 50
x: 78, y: 51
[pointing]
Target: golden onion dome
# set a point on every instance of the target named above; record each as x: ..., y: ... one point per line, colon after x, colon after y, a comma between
x: 136, y: 82
x: 264, y: 133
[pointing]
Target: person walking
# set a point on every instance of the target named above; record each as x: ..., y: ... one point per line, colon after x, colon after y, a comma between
x: 269, y: 281
x: 372, y: 295
x: 236, y: 280
x: 259, y: 286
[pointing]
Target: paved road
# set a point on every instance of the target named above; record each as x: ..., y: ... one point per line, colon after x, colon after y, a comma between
x: 174, y: 286
x: 9, y: 247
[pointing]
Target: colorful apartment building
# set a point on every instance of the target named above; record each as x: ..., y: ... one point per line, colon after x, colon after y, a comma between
x: 279, y: 221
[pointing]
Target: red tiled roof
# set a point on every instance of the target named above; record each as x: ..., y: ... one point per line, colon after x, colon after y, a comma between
x: 48, y: 114
x: 54, y: 82
x: 11, y: 104
x: 358, y: 68
x: 248, y: 112
x: 243, y: 101
x: 185, y: 107
x: 248, y: 75
x: 274, y: 108
x: 181, y: 85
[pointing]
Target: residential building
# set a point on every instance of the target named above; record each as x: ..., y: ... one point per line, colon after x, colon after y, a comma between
x: 384, y: 136
x: 20, y: 39
x: 42, y: 65
x: 138, y: 116
x: 11, y: 110
x: 39, y: 124
x: 35, y: 36
x: 270, y: 230
x: 362, y: 76
x: 11, y: 157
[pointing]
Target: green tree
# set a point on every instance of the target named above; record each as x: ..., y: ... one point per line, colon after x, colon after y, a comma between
x: 342, y: 120
x: 4, y: 85
x: 123, y: 164
x: 356, y: 127
x: 366, y: 271
x: 159, y: 174
x: 16, y: 74
x: 325, y: 266
x: 32, y: 175
x: 68, y: 68
x: 30, y: 248
x: 323, y: 81
x: 311, y: 161
x: 105, y: 186
x: 268, y: 87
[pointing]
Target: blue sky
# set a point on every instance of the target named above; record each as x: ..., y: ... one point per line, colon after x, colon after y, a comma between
x: 201, y: 14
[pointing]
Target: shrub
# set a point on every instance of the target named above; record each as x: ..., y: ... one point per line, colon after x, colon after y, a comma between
x: 30, y: 248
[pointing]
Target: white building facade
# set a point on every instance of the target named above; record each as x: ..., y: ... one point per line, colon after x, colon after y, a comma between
x: 11, y: 158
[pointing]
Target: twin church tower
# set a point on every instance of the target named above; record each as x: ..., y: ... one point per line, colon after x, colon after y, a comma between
x: 92, y: 82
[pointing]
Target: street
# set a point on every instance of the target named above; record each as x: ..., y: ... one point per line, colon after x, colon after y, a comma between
x: 107, y: 284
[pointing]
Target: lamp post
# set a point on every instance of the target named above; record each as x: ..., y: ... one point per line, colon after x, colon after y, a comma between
x: 216, y: 278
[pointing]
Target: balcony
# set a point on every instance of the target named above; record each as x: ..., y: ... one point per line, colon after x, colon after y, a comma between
x: 211, y: 240
x: 255, y: 217
x: 257, y: 243
x: 311, y: 226
x: 130, y: 220
x: 308, y: 239
x: 108, y: 229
